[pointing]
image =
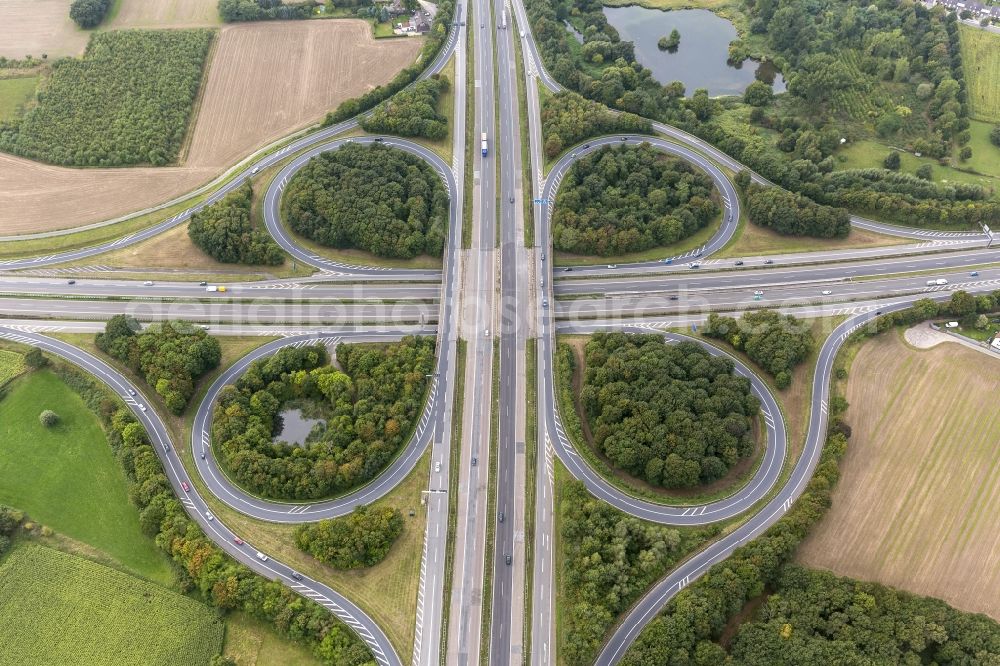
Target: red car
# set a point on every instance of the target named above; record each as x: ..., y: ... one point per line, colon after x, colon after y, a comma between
x: 185, y: 486
x: 238, y: 541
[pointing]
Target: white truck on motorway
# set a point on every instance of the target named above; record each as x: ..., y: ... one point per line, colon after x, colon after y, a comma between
x: 937, y: 282
x: 485, y: 146
x: 503, y: 19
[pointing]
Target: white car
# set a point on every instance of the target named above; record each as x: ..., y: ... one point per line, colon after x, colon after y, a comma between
x: 148, y: 283
x: 255, y: 170
x: 209, y: 516
x: 827, y: 292
x: 261, y: 556
x: 437, y: 466
x: 142, y: 407
x: 758, y: 293
x: 486, y: 333
x: 612, y: 265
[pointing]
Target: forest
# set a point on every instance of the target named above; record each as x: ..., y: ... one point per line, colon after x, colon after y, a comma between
x: 817, y: 617
x: 411, y: 112
x: 202, y: 568
x: 617, y: 200
x: 568, y: 118
x: 775, y: 342
x: 89, y: 13
x: 671, y: 414
x: 609, y: 560
x: 795, y: 215
x: 126, y: 102
x: 433, y: 43
x: 170, y: 356
x: 263, y: 10
x: 371, y: 407
x: 383, y: 200
x: 847, y: 67
x: 360, y: 539
x: 224, y: 232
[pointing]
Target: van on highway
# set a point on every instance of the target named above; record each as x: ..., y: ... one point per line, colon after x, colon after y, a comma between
x: 937, y: 282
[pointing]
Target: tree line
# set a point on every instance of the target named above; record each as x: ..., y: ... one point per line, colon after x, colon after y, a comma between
x: 10, y: 520
x: 673, y: 415
x: 360, y: 539
x: 775, y: 342
x: 568, y: 118
x: 794, y: 215
x: 434, y: 41
x: 627, y: 199
x: 202, y: 569
x: 412, y: 112
x: 263, y: 10
x: 224, y: 232
x: 89, y: 13
x: 170, y: 356
x: 127, y: 101
x: 874, y: 624
x: 383, y: 200
x: 609, y: 560
x: 371, y: 407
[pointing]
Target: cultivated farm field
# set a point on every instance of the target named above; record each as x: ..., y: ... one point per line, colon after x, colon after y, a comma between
x: 165, y: 14
x: 915, y: 507
x: 249, y: 97
x: 981, y: 60
x: 36, y: 27
x: 57, y: 608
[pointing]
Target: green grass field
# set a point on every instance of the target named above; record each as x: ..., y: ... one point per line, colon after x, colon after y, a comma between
x: 981, y: 60
x: 66, y: 476
x: 11, y: 365
x: 57, y: 608
x: 251, y: 641
x: 14, y: 93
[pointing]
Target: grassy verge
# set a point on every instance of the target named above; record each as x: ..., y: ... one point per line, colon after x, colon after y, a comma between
x: 693, y: 241
x: 454, y: 471
x: 527, y: 192
x: 491, y: 511
x: 250, y: 641
x: 532, y: 461
x: 470, y: 142
x: 66, y: 476
x: 752, y: 240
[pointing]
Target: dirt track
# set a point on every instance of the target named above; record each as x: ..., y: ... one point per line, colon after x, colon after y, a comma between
x: 916, y: 504
x: 265, y: 80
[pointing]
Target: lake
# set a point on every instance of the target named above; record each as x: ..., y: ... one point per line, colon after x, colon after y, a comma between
x: 295, y: 427
x: 700, y: 60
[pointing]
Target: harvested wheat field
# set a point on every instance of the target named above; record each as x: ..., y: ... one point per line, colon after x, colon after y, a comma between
x: 916, y: 505
x: 166, y: 14
x: 265, y: 80
x: 36, y: 27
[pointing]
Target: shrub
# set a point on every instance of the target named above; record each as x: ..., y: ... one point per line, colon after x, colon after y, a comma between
x: 48, y: 418
x: 891, y: 161
x: 925, y: 172
x: 758, y: 93
x: 35, y: 358
x: 995, y: 135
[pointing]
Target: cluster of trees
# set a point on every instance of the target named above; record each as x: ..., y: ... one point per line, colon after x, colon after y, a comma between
x: 795, y: 215
x: 89, y: 13
x: 224, y: 232
x: 630, y: 198
x: 433, y: 43
x: 962, y: 305
x: 262, y: 10
x: 686, y: 631
x: 10, y: 520
x: 170, y: 356
x: 375, y: 198
x: 126, y: 101
x: 362, y: 539
x: 568, y: 118
x: 412, y: 112
x: 201, y: 567
x: 670, y: 42
x: 873, y: 624
x: 673, y: 415
x: 371, y: 408
x: 775, y: 342
x: 609, y: 560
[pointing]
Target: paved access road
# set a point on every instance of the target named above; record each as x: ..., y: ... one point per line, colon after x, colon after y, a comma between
x: 195, y: 505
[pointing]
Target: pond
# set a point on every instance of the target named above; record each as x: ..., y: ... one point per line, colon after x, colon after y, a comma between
x: 295, y: 427
x: 700, y: 60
